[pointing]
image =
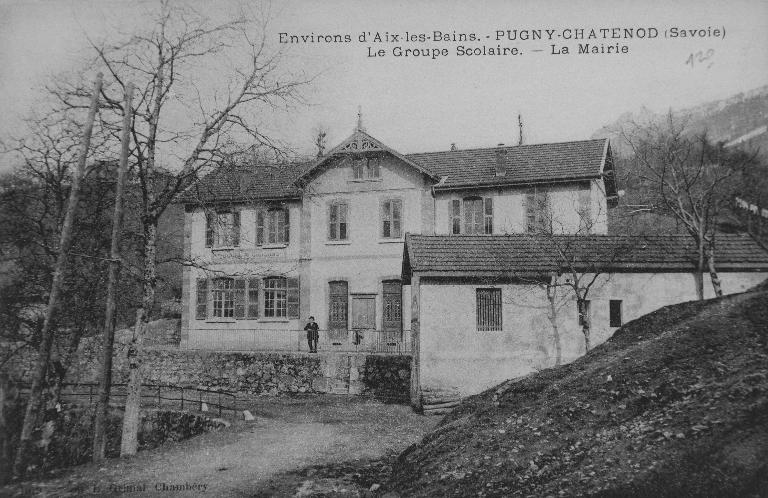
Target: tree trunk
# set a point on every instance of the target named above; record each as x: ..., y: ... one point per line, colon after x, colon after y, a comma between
x: 716, y: 284
x: 44, y: 351
x: 105, y: 382
x: 700, y: 263
x: 585, y: 325
x: 131, y: 419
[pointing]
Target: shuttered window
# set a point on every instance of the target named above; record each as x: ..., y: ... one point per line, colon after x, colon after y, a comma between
x: 488, y: 309
x: 223, y: 298
x: 538, y: 211
x: 201, y: 310
x: 455, y: 217
x: 275, y: 297
x: 585, y: 211
x: 391, y: 219
x: 292, y: 306
x: 252, y: 310
x: 337, y: 221
x: 478, y: 216
x: 272, y: 227
x: 338, y: 305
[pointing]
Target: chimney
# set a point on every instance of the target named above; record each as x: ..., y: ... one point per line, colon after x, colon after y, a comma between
x: 501, y: 161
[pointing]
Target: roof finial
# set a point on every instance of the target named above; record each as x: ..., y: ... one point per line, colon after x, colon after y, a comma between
x: 359, y: 118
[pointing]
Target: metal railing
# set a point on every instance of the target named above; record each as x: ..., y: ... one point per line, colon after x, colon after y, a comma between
x: 152, y: 395
x: 364, y: 341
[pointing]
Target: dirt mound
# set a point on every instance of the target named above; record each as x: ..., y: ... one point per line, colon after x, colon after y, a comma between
x: 674, y: 404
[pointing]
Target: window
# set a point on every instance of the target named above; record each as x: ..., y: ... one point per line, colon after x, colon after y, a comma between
x: 393, y: 306
x: 275, y: 297
x: 615, y: 313
x: 338, y: 305
x: 478, y: 216
x: 222, y: 229
x: 391, y: 216
x: 586, y: 316
x: 337, y: 226
x: 488, y: 309
x: 366, y: 168
x: 223, y: 298
x: 537, y: 211
x: 272, y: 227
x: 585, y: 211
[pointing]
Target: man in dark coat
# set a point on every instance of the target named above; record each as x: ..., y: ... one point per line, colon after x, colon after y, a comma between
x: 312, y: 334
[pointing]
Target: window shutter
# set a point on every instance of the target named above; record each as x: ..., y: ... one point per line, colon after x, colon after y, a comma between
x: 530, y: 211
x: 260, y: 228
x: 488, y: 215
x: 292, y: 292
x: 253, y: 298
x: 396, y: 225
x: 287, y: 214
x: 201, y: 311
x: 208, y: 229
x: 239, y: 299
x: 455, y: 217
x: 236, y: 228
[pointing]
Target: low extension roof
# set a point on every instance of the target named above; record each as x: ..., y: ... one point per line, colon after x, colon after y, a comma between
x: 584, y: 159
x: 524, y: 255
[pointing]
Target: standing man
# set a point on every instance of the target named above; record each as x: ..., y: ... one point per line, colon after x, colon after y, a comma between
x: 312, y: 334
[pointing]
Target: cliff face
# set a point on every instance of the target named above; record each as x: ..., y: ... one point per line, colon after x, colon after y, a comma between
x: 742, y: 115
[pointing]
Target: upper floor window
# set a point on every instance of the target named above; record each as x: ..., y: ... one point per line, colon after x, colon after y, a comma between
x: 366, y: 168
x: 538, y: 212
x: 337, y: 221
x: 478, y: 216
x: 222, y: 229
x: 272, y: 226
x: 391, y: 219
x: 585, y: 211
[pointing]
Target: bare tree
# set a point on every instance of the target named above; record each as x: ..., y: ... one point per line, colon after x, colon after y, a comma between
x: 690, y: 179
x: 198, y: 84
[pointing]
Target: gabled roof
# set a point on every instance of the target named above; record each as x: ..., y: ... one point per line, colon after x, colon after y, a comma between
x: 579, y: 160
x: 523, y: 255
x: 360, y: 142
x: 230, y: 183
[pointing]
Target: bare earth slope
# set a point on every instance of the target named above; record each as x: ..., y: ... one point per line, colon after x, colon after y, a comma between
x: 675, y: 404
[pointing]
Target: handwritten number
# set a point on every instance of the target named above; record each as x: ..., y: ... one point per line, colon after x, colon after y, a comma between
x: 700, y: 57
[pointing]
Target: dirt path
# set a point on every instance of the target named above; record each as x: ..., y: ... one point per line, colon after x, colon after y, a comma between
x: 286, y: 435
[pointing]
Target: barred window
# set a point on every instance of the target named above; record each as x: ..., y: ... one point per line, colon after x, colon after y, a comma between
x: 275, y: 297
x: 489, y: 309
x: 391, y: 219
x: 393, y: 305
x: 223, y: 298
x: 338, y: 305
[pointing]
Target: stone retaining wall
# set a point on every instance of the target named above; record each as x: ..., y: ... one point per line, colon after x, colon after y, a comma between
x: 247, y: 373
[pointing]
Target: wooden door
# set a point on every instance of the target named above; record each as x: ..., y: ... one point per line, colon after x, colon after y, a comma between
x: 363, y: 312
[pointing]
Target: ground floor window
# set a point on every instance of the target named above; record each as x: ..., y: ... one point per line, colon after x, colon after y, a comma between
x: 615, y: 313
x: 338, y: 305
x: 393, y: 306
x: 275, y: 297
x: 488, y: 309
x: 247, y: 298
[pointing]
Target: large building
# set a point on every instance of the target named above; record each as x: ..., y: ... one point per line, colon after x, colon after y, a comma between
x: 268, y: 246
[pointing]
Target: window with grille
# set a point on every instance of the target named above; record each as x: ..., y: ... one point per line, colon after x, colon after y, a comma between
x: 489, y: 309
x: 393, y: 305
x: 222, y: 229
x: 391, y: 219
x: 223, y: 298
x: 615, y: 313
x: 275, y: 297
x: 338, y: 305
x: 538, y: 211
x: 337, y: 218
x: 272, y: 227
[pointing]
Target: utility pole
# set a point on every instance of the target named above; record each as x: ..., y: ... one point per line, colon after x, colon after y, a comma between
x: 105, y: 383
x: 46, y: 335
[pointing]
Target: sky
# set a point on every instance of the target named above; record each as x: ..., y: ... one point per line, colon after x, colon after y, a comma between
x: 416, y: 104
